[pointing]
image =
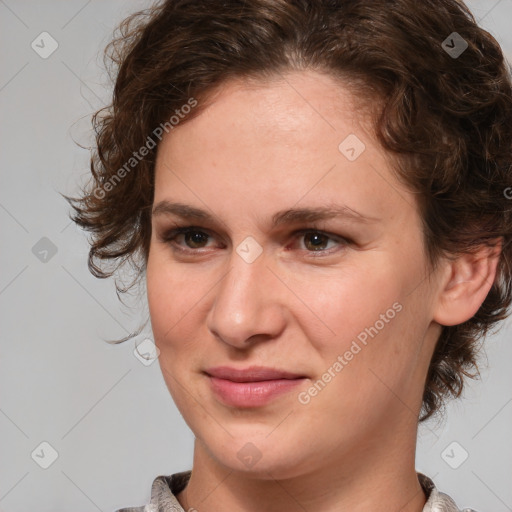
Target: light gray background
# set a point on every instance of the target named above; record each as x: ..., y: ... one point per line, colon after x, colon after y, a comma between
x: 109, y: 417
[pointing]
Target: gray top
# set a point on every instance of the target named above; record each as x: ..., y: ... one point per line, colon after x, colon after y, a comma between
x: 165, y: 488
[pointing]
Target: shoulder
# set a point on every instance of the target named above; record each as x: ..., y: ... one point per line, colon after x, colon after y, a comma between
x: 163, y: 494
x: 438, y: 501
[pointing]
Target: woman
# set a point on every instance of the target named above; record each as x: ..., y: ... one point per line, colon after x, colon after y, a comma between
x: 314, y: 193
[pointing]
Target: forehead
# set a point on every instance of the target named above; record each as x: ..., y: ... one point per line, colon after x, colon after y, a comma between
x: 300, y: 137
x: 292, y: 104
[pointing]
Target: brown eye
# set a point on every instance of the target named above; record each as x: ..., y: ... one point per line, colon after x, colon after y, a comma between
x: 195, y: 239
x: 186, y: 238
x: 316, y: 241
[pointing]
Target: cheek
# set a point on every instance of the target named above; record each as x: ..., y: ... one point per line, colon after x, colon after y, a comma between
x: 179, y: 298
x: 171, y: 295
x: 173, y: 302
x: 343, y: 304
x: 365, y: 337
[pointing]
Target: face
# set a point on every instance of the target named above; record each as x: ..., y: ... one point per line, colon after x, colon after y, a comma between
x: 282, y: 240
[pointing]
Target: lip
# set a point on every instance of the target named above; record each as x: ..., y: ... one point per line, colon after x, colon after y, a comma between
x: 250, y: 374
x: 251, y: 387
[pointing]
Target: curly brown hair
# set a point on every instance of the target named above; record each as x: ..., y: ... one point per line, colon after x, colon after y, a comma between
x: 443, y: 110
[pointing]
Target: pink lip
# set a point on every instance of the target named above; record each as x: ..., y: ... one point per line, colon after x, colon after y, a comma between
x: 250, y: 387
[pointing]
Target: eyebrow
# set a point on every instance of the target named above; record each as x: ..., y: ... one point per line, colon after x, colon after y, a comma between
x: 290, y: 216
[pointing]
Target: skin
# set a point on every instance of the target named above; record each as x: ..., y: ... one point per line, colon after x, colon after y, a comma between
x: 260, y: 148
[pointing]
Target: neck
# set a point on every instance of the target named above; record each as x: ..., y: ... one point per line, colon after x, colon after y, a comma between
x: 380, y: 475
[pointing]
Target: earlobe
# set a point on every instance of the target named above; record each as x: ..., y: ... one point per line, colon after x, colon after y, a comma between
x: 469, y: 278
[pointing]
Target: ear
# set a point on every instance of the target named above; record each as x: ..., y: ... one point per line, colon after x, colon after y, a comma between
x: 466, y: 283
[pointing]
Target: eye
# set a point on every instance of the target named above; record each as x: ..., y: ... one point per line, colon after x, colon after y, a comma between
x: 318, y: 241
x: 194, y: 238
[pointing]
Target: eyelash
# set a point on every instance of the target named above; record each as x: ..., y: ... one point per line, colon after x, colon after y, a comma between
x: 170, y: 236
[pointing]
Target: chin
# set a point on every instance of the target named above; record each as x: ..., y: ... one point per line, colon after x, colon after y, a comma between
x: 261, y: 458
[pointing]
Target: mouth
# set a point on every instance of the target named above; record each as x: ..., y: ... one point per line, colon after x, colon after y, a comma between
x: 251, y: 387
x: 251, y: 374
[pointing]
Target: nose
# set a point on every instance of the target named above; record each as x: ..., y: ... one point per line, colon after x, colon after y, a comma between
x: 247, y: 305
